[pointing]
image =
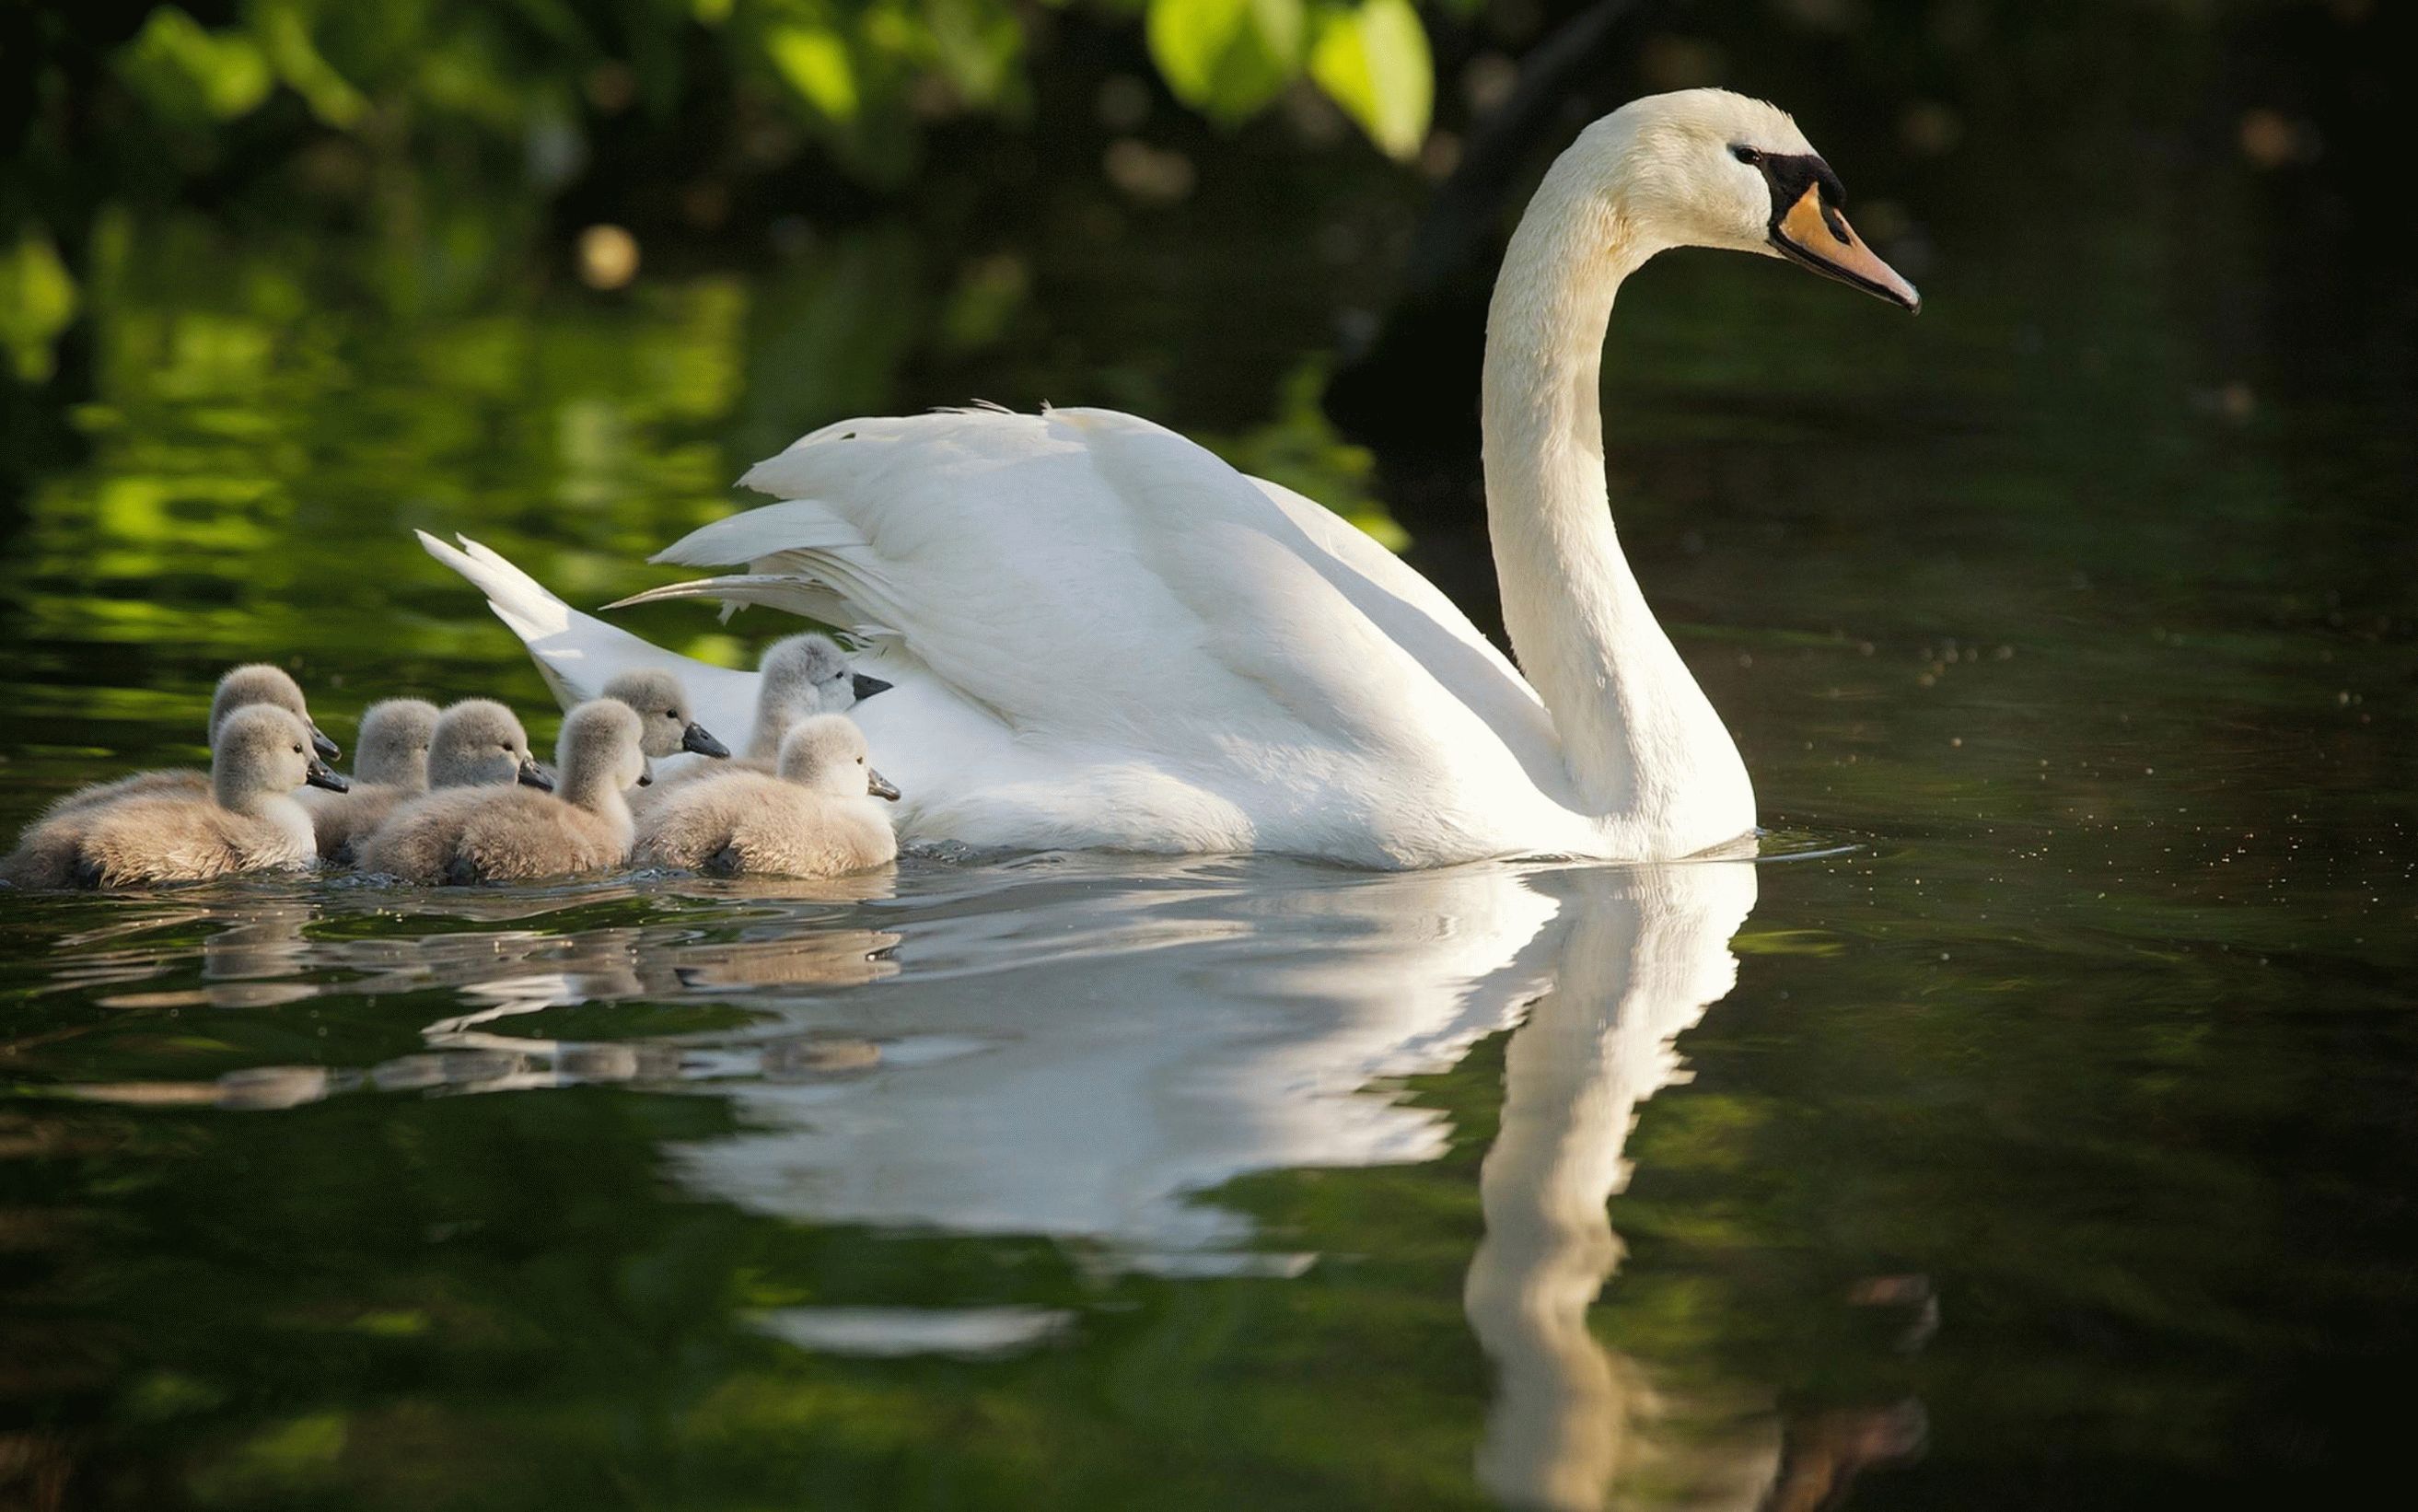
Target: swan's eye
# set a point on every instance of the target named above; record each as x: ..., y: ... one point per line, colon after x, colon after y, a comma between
x: 1746, y: 154
x: 297, y: 750
x: 671, y: 713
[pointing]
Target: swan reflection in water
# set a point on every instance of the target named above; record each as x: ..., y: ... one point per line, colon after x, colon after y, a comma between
x: 1128, y: 1053
x: 1086, y: 1048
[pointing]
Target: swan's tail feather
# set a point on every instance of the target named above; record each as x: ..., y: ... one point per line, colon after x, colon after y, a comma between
x: 517, y: 598
x: 578, y: 653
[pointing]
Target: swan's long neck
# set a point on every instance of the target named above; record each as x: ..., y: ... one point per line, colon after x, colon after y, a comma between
x: 1643, y: 745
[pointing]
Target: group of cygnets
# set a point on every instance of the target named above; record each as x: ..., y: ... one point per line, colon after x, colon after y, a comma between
x: 454, y: 795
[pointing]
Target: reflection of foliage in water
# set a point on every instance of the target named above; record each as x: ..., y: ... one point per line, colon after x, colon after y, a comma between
x: 259, y: 452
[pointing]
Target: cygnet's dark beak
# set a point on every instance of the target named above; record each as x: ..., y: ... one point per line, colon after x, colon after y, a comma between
x: 865, y: 687
x: 695, y: 739
x: 318, y: 775
x: 878, y: 785
x: 328, y: 749
x: 533, y: 776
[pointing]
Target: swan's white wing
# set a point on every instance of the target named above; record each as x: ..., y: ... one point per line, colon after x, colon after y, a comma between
x: 1416, y: 614
x: 577, y: 654
x: 1091, y: 576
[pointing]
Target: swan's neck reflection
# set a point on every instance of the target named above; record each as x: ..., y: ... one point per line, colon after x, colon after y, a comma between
x: 1645, y: 951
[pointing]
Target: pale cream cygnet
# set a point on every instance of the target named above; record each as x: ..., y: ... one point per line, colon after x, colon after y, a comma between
x: 798, y: 677
x: 818, y: 818
x: 244, y: 687
x: 389, y: 764
x: 477, y: 744
x: 664, y: 714
x: 488, y: 834
x: 247, y: 821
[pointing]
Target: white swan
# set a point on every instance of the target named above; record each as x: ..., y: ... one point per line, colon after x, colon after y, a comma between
x: 1102, y: 636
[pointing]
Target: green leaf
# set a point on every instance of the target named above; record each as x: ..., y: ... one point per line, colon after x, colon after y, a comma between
x: 183, y: 70
x: 1373, y: 61
x: 815, y: 61
x: 282, y: 30
x: 1227, y: 58
x: 978, y: 45
x: 38, y: 300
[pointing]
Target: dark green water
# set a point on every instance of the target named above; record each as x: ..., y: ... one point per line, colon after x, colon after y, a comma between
x: 2039, y: 1126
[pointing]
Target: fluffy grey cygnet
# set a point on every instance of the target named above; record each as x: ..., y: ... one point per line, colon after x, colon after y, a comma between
x: 490, y: 834
x: 668, y: 724
x: 798, y: 677
x: 247, y: 821
x: 389, y: 764
x: 481, y: 743
x: 818, y: 818
x: 248, y: 686
x: 477, y: 743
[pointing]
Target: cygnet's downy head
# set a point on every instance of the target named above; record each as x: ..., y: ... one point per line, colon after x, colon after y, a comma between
x: 1709, y: 168
x: 602, y: 743
x: 665, y: 721
x: 799, y: 677
x: 479, y: 743
x: 817, y: 662
x: 827, y: 755
x: 395, y: 736
x: 258, y: 683
x: 262, y: 751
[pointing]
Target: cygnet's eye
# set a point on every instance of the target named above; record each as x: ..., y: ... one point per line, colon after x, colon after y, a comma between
x: 671, y: 713
x: 1746, y: 154
x: 297, y: 750
x: 860, y: 761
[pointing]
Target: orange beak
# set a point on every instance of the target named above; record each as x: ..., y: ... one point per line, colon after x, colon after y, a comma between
x: 1820, y: 236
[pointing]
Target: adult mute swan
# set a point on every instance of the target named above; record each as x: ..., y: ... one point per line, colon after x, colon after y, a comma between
x: 1102, y: 636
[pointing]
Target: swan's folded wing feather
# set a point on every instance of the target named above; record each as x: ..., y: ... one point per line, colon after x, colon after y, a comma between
x: 1417, y: 616
x: 797, y: 593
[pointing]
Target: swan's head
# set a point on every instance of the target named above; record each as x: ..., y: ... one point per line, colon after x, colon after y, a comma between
x: 1708, y: 168
x: 394, y: 740
x: 665, y: 719
x: 262, y: 750
x: 603, y: 738
x: 479, y: 743
x: 257, y: 683
x: 827, y: 755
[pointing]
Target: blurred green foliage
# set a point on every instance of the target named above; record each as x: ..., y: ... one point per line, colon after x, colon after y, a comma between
x: 360, y: 96
x: 859, y: 72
